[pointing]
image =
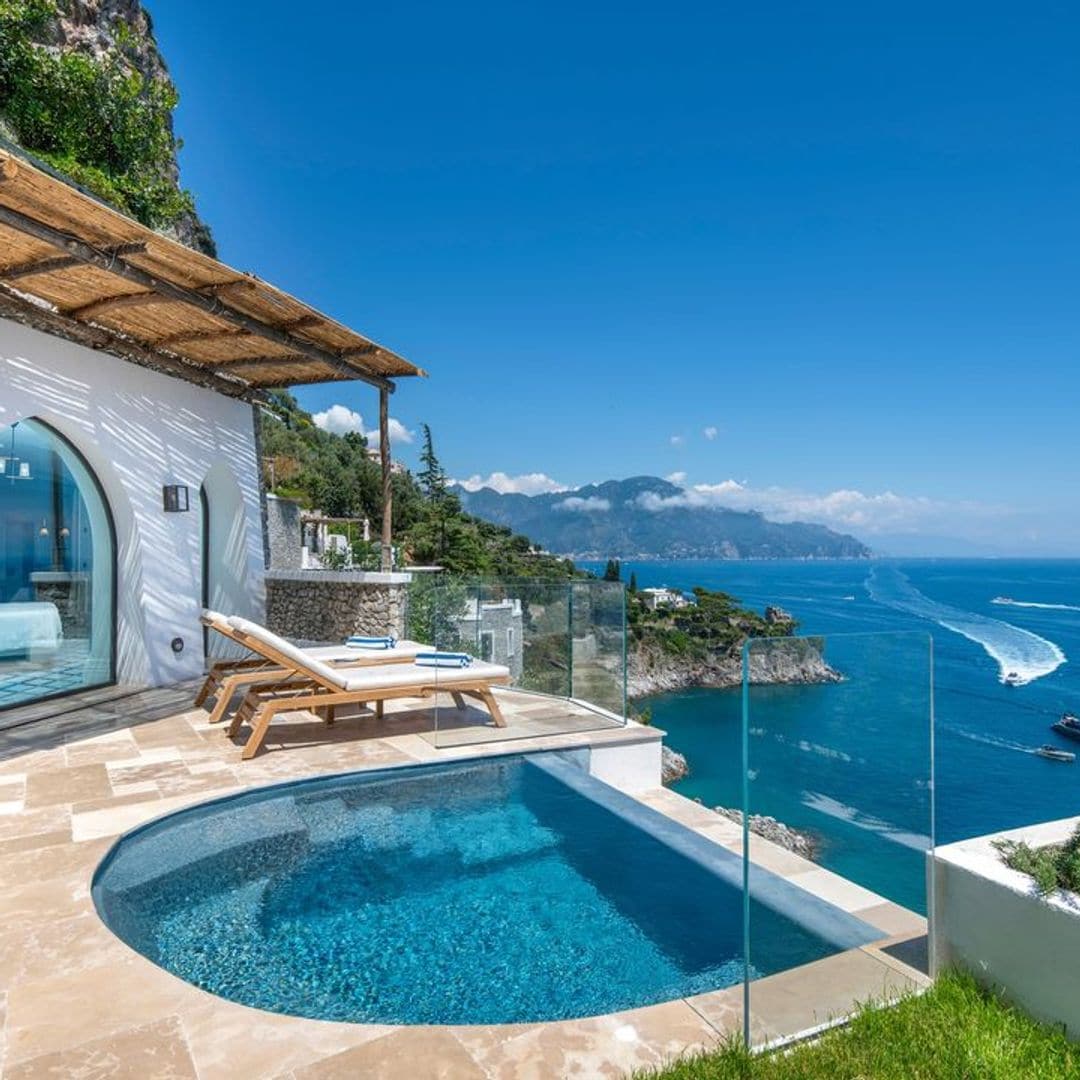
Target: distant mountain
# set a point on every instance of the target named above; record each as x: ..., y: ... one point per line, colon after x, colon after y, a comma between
x: 648, y: 518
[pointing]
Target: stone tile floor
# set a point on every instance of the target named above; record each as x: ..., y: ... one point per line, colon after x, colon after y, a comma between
x: 75, y: 1001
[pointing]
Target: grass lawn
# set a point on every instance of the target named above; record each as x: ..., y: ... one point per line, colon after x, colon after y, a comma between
x: 955, y: 1030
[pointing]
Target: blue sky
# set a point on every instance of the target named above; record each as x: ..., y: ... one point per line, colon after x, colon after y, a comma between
x: 843, y: 243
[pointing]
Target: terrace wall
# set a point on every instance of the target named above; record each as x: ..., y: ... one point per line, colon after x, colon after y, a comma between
x: 328, y: 605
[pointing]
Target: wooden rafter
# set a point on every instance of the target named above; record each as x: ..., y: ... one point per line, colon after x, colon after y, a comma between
x: 111, y: 303
x: 61, y: 262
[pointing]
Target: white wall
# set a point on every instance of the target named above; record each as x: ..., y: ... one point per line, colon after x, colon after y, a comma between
x: 990, y: 921
x: 139, y: 431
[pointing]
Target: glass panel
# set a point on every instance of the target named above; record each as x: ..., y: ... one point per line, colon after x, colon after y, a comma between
x: 838, y: 816
x: 559, y: 648
x: 56, y: 569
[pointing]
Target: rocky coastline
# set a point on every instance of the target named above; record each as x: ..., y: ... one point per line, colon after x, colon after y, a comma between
x: 651, y: 670
x: 768, y: 828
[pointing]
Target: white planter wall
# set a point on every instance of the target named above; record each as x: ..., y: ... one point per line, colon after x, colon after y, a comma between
x: 139, y: 430
x: 989, y: 920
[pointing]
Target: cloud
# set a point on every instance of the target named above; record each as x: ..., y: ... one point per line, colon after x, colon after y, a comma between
x: 846, y: 509
x: 340, y: 420
x: 526, y: 484
x: 594, y: 504
x: 711, y: 432
x: 676, y: 478
x: 677, y: 440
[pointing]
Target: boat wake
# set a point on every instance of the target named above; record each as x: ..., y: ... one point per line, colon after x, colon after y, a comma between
x: 988, y: 740
x: 1021, y: 656
x: 1008, y: 601
x: 826, y: 804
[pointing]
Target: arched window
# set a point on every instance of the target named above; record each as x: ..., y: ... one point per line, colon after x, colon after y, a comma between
x: 57, y: 569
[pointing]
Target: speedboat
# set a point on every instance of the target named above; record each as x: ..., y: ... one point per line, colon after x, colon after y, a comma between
x: 1013, y: 678
x: 1068, y: 725
x: 1052, y: 753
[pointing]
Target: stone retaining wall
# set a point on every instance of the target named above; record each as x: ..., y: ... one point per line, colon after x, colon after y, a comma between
x: 322, y: 605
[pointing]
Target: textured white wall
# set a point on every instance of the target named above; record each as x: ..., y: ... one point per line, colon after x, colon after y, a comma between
x: 989, y: 920
x: 139, y: 431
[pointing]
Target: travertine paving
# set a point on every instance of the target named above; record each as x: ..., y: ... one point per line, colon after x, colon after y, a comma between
x: 75, y: 1001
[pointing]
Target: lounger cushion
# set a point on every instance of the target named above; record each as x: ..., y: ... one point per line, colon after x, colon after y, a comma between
x: 345, y: 654
x: 304, y: 663
x: 391, y: 676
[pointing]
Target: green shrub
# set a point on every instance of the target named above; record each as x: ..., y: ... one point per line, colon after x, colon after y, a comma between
x: 1056, y: 866
x: 99, y: 121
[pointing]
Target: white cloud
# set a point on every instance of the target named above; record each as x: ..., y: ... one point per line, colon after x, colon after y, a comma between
x: 594, y: 504
x: 845, y: 508
x: 340, y: 419
x: 526, y: 484
x: 711, y: 432
x: 677, y: 440
x: 676, y: 478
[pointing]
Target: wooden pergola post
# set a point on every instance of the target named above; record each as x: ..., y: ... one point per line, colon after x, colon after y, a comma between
x: 387, y: 562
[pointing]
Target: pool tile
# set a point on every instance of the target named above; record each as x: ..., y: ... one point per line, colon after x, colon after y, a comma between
x: 68, y: 1009
x: 421, y: 1053
x: 64, y: 786
x: 273, y: 1044
x: 839, y: 891
x: 153, y: 1052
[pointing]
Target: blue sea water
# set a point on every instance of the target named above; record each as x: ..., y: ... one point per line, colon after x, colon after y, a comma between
x: 482, y: 892
x: 850, y: 761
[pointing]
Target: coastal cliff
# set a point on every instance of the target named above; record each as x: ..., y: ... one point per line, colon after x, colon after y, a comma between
x: 651, y: 670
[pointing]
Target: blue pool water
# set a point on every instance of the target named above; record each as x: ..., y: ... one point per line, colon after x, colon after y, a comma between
x: 506, y: 890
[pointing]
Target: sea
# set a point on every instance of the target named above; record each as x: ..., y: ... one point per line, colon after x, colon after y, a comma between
x: 922, y: 739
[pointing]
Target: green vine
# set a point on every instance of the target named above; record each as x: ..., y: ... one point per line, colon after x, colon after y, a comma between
x: 99, y: 121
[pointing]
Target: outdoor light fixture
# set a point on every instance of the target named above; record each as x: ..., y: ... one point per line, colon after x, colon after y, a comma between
x: 44, y: 530
x: 174, y: 498
x: 11, y: 467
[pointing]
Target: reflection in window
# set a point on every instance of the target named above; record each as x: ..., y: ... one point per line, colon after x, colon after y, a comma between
x: 57, y: 565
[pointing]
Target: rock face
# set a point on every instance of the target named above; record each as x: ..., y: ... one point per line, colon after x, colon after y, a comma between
x: 768, y: 828
x: 673, y: 766
x: 779, y: 660
x: 93, y: 27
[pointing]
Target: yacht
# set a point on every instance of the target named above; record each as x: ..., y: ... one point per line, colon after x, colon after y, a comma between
x: 1013, y: 678
x: 1068, y: 725
x: 1052, y: 753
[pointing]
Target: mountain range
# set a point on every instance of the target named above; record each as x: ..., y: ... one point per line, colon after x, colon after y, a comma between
x: 645, y: 517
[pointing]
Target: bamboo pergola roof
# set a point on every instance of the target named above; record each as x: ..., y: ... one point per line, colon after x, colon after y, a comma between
x: 80, y: 270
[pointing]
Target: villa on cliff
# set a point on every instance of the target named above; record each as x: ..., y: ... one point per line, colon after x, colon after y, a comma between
x: 131, y: 372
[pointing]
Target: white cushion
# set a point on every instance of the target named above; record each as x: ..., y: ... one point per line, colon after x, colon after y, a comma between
x: 303, y: 662
x: 346, y: 654
x: 391, y: 676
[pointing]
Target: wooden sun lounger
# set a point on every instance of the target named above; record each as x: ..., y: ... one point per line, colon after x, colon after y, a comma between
x: 310, y: 685
x: 227, y: 676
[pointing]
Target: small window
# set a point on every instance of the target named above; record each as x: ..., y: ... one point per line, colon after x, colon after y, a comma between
x: 509, y: 641
x: 487, y: 644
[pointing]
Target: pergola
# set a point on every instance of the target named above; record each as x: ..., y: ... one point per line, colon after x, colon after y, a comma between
x: 75, y: 268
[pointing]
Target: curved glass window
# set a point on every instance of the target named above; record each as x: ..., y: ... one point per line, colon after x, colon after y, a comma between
x: 57, y: 569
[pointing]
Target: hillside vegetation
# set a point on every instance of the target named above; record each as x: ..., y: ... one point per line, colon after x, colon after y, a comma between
x: 84, y: 89
x: 335, y: 474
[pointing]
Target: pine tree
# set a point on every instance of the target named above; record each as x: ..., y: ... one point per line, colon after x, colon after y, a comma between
x: 432, y: 477
x: 613, y: 570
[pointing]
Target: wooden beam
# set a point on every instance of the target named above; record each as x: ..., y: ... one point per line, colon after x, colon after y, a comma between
x: 111, y: 303
x: 387, y: 561
x: 47, y: 321
x: 61, y: 262
x: 212, y: 305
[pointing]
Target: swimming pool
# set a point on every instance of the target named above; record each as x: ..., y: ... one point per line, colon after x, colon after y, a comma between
x: 496, y: 891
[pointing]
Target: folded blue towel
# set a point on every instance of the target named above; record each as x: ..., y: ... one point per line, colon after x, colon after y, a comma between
x: 359, y: 642
x: 443, y: 659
